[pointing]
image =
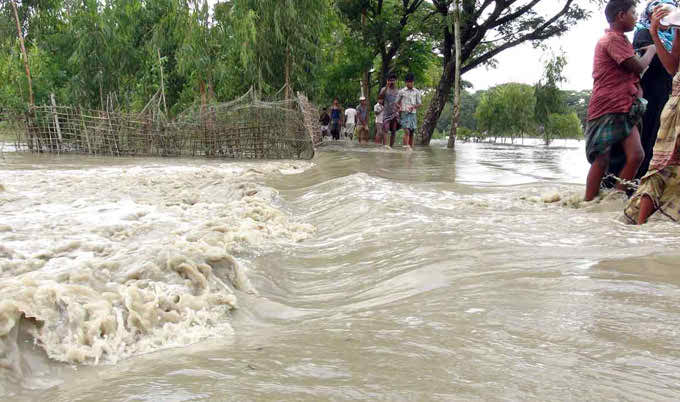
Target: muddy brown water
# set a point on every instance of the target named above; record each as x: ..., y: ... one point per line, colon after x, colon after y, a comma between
x: 365, y: 274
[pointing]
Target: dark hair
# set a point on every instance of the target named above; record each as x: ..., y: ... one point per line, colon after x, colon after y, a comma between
x: 410, y: 77
x: 392, y: 76
x: 614, y: 7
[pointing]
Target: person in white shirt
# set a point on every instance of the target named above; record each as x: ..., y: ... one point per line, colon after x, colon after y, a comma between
x: 378, y: 109
x: 350, y: 122
x: 410, y: 100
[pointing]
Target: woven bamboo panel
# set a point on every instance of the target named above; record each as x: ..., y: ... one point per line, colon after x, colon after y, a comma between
x: 246, y: 128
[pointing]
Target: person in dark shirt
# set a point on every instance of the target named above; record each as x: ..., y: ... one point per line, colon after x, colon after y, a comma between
x: 337, y: 119
x: 656, y: 86
x: 324, y: 120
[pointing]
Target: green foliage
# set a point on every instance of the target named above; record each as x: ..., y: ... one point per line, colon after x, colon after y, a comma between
x: 563, y: 126
x: 506, y: 110
x: 468, y: 106
x: 549, y: 98
x: 88, y: 51
x: 577, y: 101
x: 280, y: 33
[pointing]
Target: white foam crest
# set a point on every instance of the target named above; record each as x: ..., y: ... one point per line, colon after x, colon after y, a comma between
x: 570, y: 197
x: 100, y: 264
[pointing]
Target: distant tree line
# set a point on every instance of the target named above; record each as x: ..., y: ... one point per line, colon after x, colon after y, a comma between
x: 516, y: 110
x: 93, y: 53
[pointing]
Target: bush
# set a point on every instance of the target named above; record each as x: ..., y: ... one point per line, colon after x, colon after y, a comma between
x: 562, y: 126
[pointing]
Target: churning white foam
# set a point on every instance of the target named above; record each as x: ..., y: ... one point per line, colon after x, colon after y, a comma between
x: 101, y: 264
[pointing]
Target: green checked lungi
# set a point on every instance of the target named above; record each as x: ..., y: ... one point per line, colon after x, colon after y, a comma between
x: 612, y: 128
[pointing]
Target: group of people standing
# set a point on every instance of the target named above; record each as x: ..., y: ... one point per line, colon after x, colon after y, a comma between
x: 395, y: 109
x: 633, y: 128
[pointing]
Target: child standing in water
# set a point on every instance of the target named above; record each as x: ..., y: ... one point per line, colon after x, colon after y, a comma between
x: 409, y: 101
x: 659, y: 189
x: 336, y: 119
x: 390, y: 94
x: 362, y: 120
x: 616, y: 106
x: 379, y: 131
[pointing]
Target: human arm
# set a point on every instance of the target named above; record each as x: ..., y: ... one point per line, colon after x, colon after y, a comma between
x: 638, y: 65
x: 669, y: 60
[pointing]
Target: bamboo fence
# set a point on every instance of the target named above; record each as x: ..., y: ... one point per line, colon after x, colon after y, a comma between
x: 245, y: 128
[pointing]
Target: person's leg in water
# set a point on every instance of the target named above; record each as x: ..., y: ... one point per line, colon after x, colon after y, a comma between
x: 647, y: 208
x: 393, y: 132
x: 407, y: 134
x: 632, y: 147
x: 597, y: 169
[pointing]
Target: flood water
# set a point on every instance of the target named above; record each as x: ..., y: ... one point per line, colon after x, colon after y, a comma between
x: 364, y: 274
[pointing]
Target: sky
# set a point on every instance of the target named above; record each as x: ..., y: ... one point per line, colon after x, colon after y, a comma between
x: 525, y: 64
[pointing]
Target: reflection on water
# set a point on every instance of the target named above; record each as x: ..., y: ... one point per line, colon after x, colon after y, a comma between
x: 429, y: 275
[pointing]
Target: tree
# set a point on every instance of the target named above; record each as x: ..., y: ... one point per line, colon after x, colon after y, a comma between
x: 280, y: 39
x: 562, y: 126
x: 468, y: 105
x: 387, y: 28
x: 506, y: 110
x: 456, y: 86
x: 20, y: 36
x: 549, y: 97
x: 488, y: 28
x: 577, y: 102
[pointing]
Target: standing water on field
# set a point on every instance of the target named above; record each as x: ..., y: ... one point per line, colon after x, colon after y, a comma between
x: 364, y: 274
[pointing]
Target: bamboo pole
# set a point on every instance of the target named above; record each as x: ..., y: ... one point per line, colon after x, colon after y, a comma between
x: 456, y: 90
x: 365, y: 84
x: 20, y: 35
x: 87, y: 136
x: 56, y: 119
x: 160, y: 63
x: 31, y: 99
x: 287, y: 73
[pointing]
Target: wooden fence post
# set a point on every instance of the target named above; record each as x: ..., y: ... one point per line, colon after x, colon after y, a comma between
x: 56, y: 120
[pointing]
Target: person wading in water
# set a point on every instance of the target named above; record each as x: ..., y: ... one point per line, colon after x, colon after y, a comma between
x: 336, y: 119
x: 391, y: 110
x: 409, y: 101
x: 656, y: 85
x: 659, y: 189
x: 616, y: 107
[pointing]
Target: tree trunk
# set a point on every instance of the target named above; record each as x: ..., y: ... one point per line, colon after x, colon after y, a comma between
x: 20, y: 35
x: 437, y: 104
x: 456, y: 90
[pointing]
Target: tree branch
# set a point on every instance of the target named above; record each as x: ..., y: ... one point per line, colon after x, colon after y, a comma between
x: 538, y: 33
x: 511, y: 16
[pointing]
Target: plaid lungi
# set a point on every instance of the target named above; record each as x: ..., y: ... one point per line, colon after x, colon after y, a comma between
x: 611, y: 129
